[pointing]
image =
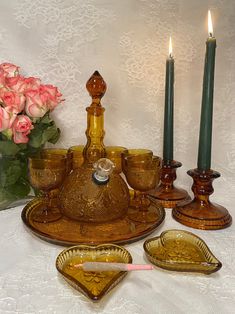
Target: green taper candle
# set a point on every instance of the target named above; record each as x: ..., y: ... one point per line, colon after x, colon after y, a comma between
x: 168, y: 136
x: 205, y: 136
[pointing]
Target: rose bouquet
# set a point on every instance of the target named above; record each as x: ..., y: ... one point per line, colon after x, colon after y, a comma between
x: 25, y: 127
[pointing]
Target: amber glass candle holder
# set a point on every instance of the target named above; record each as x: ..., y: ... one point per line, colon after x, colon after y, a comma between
x: 47, y: 174
x: 142, y: 175
x: 200, y: 213
x: 167, y: 193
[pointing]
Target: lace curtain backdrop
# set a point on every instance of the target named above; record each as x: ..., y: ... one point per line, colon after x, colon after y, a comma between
x: 63, y: 42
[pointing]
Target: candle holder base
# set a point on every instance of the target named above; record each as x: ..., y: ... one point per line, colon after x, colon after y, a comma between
x: 166, y: 193
x: 200, y: 213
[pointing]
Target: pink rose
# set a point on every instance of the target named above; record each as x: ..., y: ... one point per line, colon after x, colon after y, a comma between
x: 21, y: 127
x: 21, y: 85
x: 4, y: 119
x: 2, y: 78
x: 12, y: 101
x: 32, y: 83
x: 35, y: 107
x: 50, y: 95
x: 9, y: 69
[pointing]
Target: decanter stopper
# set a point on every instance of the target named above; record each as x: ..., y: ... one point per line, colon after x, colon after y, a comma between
x: 96, y: 86
x: 103, y: 169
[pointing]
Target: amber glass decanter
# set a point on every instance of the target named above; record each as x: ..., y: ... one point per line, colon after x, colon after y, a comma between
x: 93, y: 192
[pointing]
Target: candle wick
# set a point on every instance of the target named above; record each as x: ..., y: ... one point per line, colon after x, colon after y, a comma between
x: 210, y: 35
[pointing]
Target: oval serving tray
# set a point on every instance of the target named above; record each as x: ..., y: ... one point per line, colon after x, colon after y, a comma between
x: 94, y: 285
x: 71, y: 232
x: 181, y: 250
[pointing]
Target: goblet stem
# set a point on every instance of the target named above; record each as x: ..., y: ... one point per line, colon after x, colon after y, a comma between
x: 49, y: 212
x: 142, y: 209
x: 143, y: 201
x: 140, y: 200
x: 52, y: 199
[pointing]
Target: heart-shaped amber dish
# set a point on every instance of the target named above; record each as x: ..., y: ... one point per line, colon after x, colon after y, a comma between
x: 181, y: 250
x: 94, y: 285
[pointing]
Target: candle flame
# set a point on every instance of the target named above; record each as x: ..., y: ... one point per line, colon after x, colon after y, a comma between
x: 210, y: 26
x: 170, y: 48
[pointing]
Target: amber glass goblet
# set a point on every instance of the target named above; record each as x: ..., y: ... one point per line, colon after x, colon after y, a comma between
x: 77, y: 156
x: 47, y: 152
x: 114, y: 153
x: 47, y: 174
x: 136, y: 154
x: 52, y: 153
x: 141, y: 175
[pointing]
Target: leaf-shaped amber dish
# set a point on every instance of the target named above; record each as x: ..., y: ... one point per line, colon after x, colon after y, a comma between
x: 181, y: 250
x: 94, y: 285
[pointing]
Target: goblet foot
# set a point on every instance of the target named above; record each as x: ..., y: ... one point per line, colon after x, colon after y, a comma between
x: 144, y: 214
x: 45, y: 215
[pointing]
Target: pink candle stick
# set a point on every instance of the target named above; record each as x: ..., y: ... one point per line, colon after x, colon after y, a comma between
x: 103, y: 266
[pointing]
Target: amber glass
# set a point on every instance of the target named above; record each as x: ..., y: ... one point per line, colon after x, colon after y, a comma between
x: 200, y: 213
x: 59, y: 151
x: 82, y: 197
x: 52, y: 153
x: 94, y: 148
x: 114, y: 153
x: 136, y: 154
x: 70, y: 232
x: 93, y: 213
x: 94, y: 285
x: 47, y: 174
x: 181, y: 250
x: 167, y: 193
x: 142, y: 175
x: 77, y: 156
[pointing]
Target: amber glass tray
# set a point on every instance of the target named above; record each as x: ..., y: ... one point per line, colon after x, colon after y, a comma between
x: 70, y: 232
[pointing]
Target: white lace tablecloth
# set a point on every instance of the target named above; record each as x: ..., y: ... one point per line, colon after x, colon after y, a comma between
x: 30, y: 283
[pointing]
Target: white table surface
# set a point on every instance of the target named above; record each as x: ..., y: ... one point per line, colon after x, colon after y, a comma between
x: 30, y: 283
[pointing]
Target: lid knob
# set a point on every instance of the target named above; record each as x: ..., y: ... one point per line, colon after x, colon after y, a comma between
x: 96, y: 85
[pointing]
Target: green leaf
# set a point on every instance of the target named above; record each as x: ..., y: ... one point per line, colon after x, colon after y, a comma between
x: 10, y: 172
x: 5, y: 197
x: 22, y: 146
x: 56, y: 136
x: 20, y: 189
x: 46, y: 119
x: 7, y: 134
x: 35, y: 138
x: 49, y: 133
x: 9, y: 148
